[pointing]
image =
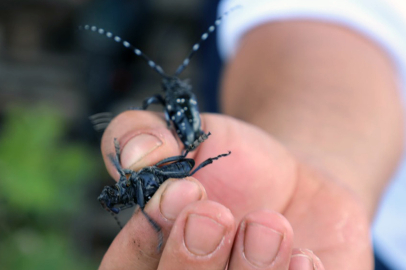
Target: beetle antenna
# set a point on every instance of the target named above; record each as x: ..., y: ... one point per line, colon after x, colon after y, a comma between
x: 203, y: 37
x: 126, y: 44
x: 113, y: 215
x: 117, y: 221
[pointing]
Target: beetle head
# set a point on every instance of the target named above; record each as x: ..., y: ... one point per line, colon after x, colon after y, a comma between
x: 109, y: 198
x: 174, y: 84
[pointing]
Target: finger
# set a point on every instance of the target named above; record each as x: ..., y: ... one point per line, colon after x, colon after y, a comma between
x: 305, y: 259
x: 255, y: 155
x: 263, y: 241
x: 136, y: 246
x: 201, y: 238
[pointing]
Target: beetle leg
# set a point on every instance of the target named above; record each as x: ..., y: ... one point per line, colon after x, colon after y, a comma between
x: 155, y: 99
x: 116, y: 164
x: 192, y: 147
x: 139, y: 194
x: 140, y: 200
x: 170, y: 159
x: 197, y: 142
x: 117, y: 148
x: 122, y: 182
x: 157, y: 228
x: 127, y: 205
x: 209, y: 161
x: 101, y: 120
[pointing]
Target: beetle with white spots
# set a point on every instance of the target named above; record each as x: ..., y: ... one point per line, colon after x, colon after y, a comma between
x: 178, y: 101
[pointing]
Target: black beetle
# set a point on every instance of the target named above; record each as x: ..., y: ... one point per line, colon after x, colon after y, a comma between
x: 179, y: 102
x: 137, y: 188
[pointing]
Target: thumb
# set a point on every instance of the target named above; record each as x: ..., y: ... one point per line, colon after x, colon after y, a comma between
x: 259, y: 173
x: 143, y: 139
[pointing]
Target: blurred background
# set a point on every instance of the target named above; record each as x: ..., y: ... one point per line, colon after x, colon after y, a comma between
x: 52, y: 78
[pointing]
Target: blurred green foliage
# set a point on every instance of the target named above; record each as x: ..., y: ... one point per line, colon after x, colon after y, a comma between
x: 43, y: 178
x: 30, y: 249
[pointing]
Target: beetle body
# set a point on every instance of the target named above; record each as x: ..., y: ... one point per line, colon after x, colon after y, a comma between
x: 182, y: 110
x: 137, y: 188
x: 179, y: 102
x: 148, y: 179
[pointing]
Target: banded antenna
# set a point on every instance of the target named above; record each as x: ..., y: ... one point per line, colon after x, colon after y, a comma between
x: 114, y: 216
x: 126, y: 44
x: 203, y: 37
x: 151, y: 63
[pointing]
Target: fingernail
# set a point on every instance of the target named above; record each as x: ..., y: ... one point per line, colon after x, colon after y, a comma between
x: 202, y: 234
x: 137, y: 148
x: 261, y: 244
x: 177, y: 195
x: 302, y: 262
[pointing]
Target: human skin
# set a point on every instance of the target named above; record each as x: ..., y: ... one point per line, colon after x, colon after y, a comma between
x: 319, y: 135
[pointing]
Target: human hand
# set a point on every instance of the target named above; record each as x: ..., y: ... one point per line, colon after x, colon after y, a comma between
x: 256, y: 182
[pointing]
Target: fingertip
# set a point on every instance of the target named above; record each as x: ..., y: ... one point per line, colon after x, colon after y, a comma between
x: 264, y: 240
x: 305, y: 259
x: 202, y: 236
x: 271, y: 219
x: 177, y: 195
x: 173, y: 196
